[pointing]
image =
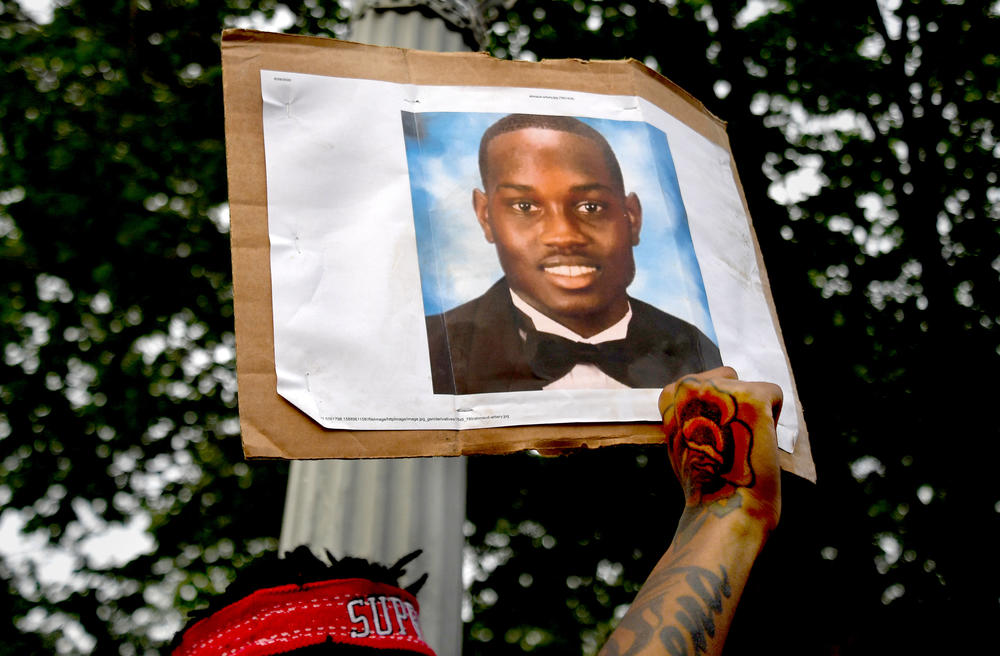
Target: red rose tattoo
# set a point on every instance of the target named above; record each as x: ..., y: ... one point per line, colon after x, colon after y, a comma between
x: 709, y: 445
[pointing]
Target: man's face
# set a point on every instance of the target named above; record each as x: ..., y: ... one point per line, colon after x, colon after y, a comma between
x: 563, y: 227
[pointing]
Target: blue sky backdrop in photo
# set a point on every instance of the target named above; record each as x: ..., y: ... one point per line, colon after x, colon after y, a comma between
x: 457, y: 264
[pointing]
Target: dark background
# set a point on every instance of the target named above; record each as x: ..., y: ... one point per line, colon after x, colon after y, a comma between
x: 117, y: 383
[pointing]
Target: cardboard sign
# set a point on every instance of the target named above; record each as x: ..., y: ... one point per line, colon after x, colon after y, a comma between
x: 421, y: 240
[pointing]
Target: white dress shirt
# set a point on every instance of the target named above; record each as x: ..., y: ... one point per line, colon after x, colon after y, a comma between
x: 585, y: 375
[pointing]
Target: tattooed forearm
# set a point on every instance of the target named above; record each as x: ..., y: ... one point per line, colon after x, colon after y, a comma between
x: 688, y: 629
x: 697, y: 614
x: 720, y: 438
x: 644, y: 628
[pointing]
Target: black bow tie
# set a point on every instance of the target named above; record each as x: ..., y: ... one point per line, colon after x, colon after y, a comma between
x: 552, y: 357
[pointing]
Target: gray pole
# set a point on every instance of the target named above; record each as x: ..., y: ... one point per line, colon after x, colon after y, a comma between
x: 384, y: 509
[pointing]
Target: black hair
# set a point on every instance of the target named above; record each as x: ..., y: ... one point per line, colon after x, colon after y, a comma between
x: 300, y: 566
x: 515, y: 122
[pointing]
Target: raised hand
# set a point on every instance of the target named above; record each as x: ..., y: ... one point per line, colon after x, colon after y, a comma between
x: 721, y: 439
x: 720, y: 434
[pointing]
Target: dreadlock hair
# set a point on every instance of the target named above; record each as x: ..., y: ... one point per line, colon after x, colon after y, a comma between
x: 300, y: 566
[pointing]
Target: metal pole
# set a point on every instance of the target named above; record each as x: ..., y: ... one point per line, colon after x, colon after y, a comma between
x: 384, y: 509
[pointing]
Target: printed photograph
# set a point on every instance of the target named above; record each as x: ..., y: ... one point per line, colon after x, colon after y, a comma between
x: 554, y: 254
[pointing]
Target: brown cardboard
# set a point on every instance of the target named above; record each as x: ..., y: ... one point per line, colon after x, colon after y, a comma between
x: 272, y: 427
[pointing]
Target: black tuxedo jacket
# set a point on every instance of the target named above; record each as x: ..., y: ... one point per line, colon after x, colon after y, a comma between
x: 476, y: 347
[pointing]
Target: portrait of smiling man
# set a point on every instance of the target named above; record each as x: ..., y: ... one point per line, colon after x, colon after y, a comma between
x: 553, y: 204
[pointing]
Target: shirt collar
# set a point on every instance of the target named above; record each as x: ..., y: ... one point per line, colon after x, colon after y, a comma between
x: 544, y: 324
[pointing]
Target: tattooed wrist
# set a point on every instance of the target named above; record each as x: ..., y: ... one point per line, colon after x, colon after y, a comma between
x: 738, y: 517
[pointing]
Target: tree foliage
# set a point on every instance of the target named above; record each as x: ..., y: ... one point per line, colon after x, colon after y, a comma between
x: 117, y: 384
